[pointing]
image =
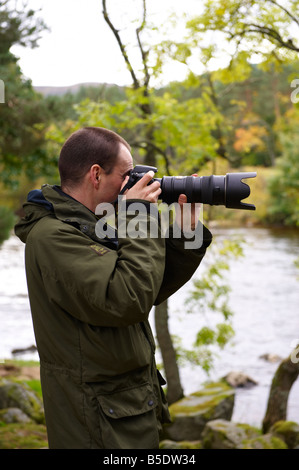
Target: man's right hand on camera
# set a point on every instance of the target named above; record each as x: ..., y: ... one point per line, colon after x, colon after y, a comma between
x: 143, y: 190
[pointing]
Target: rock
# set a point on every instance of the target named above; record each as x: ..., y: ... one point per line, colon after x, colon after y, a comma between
x: 222, y: 434
x: 167, y: 444
x: 288, y: 431
x: 31, y: 348
x: 14, y: 415
x: 271, y: 357
x: 15, y: 395
x: 190, y: 414
x: 266, y: 441
x: 238, y: 379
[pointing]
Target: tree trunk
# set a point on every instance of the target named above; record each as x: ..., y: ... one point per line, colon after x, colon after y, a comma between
x: 174, y: 388
x: 282, y: 382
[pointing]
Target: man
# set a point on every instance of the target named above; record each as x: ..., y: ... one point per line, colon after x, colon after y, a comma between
x: 90, y: 299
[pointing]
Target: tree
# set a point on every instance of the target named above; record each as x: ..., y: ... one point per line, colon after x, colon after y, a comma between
x: 141, y: 86
x: 284, y: 185
x: 220, y: 45
x: 7, y: 221
x: 164, y: 128
x: 285, y: 376
x: 21, y: 140
x: 252, y: 26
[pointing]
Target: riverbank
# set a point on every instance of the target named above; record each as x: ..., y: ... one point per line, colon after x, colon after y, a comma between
x: 200, y: 421
x: 264, y: 298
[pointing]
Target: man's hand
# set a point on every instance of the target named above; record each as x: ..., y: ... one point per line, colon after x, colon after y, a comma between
x: 188, y: 216
x: 141, y: 190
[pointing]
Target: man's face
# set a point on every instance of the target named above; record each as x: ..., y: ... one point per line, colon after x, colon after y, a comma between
x: 111, y: 183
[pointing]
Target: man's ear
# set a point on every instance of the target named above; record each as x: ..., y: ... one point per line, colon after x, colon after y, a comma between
x: 95, y: 174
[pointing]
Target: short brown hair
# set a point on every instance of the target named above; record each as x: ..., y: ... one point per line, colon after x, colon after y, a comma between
x: 86, y: 147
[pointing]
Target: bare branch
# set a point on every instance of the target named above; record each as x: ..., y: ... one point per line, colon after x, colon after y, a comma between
x: 148, y: 143
x: 121, y: 45
x: 144, y: 54
x: 296, y: 20
x: 265, y: 30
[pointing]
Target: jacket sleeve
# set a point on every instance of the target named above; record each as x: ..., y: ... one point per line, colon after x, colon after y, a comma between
x: 92, y: 283
x: 181, y: 260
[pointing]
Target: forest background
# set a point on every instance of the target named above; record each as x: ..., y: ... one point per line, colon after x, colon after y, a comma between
x: 242, y: 116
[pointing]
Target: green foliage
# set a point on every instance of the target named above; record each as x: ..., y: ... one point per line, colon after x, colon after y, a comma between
x: 284, y: 187
x: 181, y: 129
x: 7, y: 221
x: 20, y: 141
x: 210, y: 291
x: 266, y: 29
x: 210, y: 295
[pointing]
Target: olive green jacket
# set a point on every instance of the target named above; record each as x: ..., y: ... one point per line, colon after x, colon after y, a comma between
x: 90, y: 301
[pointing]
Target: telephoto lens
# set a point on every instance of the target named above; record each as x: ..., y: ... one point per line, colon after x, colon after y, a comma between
x: 228, y: 190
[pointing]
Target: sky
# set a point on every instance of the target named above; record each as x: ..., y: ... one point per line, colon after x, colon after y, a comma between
x: 81, y: 48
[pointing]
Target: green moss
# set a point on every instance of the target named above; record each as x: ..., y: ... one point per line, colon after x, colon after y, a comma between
x: 23, y: 436
x: 278, y: 443
x: 284, y: 426
x: 34, y: 385
x: 249, y: 429
x: 220, y: 385
x: 168, y: 444
x: 204, y: 401
x: 19, y: 394
x: 266, y: 441
x: 288, y: 431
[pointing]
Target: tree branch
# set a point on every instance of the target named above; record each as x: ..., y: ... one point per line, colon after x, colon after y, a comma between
x: 265, y: 30
x: 148, y: 143
x: 121, y: 46
x: 144, y: 54
x: 296, y: 20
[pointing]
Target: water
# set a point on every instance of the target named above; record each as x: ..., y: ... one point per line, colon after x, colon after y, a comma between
x: 264, y: 299
x: 265, y: 302
x: 15, y: 317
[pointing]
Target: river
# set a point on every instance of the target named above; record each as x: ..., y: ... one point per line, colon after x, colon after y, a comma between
x: 264, y: 298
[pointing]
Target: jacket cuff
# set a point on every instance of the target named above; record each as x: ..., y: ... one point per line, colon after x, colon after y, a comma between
x: 178, y: 236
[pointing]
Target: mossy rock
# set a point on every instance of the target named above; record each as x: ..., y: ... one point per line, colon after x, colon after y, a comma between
x: 168, y: 444
x: 266, y: 441
x: 20, y: 395
x: 13, y: 415
x: 222, y: 434
x: 288, y: 431
x: 190, y: 414
x: 23, y: 436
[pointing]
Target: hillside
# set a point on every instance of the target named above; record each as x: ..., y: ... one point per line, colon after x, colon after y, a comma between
x: 62, y: 90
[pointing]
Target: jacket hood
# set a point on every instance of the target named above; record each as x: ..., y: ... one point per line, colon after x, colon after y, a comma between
x: 51, y: 201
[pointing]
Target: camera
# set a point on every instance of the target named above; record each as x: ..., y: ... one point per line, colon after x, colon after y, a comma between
x: 228, y: 190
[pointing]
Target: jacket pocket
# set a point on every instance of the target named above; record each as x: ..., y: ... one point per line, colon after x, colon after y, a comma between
x: 128, y: 419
